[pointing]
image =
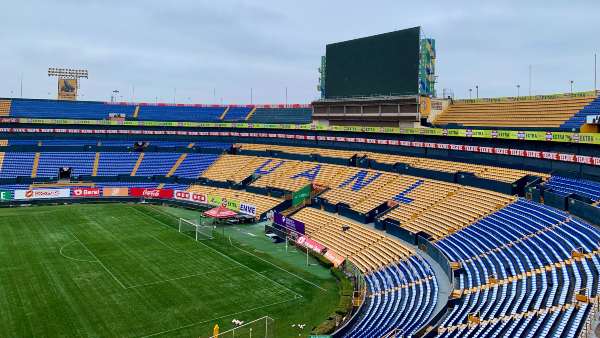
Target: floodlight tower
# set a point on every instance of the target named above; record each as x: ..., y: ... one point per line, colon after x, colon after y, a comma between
x: 68, y: 81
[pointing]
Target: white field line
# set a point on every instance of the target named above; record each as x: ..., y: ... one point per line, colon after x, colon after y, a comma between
x: 166, y: 245
x: 222, y: 254
x: 97, y: 260
x: 182, y: 277
x: 73, y: 258
x: 282, y: 269
x: 216, y: 318
x: 273, y: 264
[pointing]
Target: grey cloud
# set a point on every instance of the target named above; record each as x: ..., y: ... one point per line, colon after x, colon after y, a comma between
x: 235, y: 45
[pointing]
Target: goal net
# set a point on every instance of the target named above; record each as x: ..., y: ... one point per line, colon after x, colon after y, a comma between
x: 197, y: 230
x: 260, y: 328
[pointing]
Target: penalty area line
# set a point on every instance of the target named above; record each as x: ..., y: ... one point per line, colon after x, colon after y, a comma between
x: 296, y: 294
x: 216, y: 318
x: 182, y: 277
x: 249, y: 253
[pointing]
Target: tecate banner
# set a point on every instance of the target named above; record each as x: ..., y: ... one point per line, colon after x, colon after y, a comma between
x: 310, y: 244
x: 42, y: 194
x: 85, y: 192
x: 288, y: 223
x: 190, y: 196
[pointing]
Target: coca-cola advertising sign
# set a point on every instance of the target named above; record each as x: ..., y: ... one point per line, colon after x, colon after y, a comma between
x: 151, y: 193
x: 85, y: 192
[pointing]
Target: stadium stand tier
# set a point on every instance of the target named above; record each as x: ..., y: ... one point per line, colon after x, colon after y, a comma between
x: 47, y: 164
x: 518, y: 112
x: 567, y: 185
x: 579, y: 119
x: 482, y: 171
x: 41, y: 108
x: 437, y: 208
x: 281, y: 115
x: 31, y: 108
x: 524, y: 266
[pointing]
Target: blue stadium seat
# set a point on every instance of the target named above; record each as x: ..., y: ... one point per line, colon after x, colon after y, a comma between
x: 67, y: 109
x: 282, y: 115
x: 194, y: 165
x: 237, y: 114
x: 180, y: 113
x: 17, y: 164
x: 579, y: 119
x: 81, y: 163
x: 566, y: 186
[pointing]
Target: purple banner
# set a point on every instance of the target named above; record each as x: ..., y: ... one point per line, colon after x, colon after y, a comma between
x: 288, y: 223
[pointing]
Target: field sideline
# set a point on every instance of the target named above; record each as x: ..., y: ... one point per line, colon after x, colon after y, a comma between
x: 124, y: 271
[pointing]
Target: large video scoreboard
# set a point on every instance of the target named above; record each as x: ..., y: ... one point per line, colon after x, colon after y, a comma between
x: 384, y: 64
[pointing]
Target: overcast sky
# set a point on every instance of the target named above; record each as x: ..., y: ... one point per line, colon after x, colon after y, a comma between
x: 196, y: 47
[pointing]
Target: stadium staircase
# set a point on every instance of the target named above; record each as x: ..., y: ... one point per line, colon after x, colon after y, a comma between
x: 250, y: 114
x: 136, y: 112
x: 36, y: 163
x: 176, y: 165
x: 3, y: 143
x: 137, y: 164
x: 222, y: 117
x: 4, y: 107
x: 96, y: 163
x: 1, y: 160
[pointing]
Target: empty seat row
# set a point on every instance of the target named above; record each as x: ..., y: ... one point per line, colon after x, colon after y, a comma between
x: 516, y: 112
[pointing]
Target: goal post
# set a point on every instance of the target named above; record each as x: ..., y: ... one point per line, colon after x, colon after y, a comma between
x: 263, y: 327
x: 198, y: 231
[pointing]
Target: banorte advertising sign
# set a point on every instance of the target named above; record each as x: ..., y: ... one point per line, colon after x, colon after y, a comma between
x: 85, y: 192
x: 42, y: 194
x: 151, y: 193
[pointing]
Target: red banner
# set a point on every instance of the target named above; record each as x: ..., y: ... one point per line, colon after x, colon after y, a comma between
x: 311, y: 244
x: 151, y: 193
x: 85, y: 192
x: 190, y: 196
x: 334, y: 258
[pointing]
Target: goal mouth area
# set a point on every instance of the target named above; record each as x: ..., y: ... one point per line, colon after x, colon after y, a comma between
x: 200, y: 231
x: 263, y: 327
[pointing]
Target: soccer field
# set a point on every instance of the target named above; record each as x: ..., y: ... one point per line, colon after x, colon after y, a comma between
x: 117, y: 270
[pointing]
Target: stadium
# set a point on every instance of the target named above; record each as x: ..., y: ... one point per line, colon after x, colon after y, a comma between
x: 382, y: 208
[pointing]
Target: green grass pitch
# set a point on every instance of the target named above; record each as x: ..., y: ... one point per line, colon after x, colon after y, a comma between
x: 118, y: 270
